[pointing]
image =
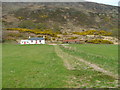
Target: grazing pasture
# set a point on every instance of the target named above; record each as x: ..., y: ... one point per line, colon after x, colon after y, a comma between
x: 47, y: 66
x: 32, y: 66
x: 106, y: 56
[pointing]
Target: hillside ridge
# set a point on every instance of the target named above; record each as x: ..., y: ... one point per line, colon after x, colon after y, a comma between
x: 62, y: 17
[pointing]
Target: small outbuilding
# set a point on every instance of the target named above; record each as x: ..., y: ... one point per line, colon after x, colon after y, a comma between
x: 33, y: 41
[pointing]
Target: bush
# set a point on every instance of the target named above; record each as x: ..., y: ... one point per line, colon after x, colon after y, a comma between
x: 94, y: 32
x: 72, y: 38
x: 99, y: 41
x: 47, y: 38
x: 65, y: 33
x: 36, y: 31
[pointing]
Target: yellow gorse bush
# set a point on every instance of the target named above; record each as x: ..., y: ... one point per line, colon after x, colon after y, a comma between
x: 43, y: 16
x: 99, y: 41
x: 73, y: 38
x: 36, y: 31
x: 94, y: 32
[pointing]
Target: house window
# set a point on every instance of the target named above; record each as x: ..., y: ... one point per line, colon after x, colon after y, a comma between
x: 31, y: 40
x: 39, y: 40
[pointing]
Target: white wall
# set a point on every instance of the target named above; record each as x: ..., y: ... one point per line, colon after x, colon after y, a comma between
x: 32, y: 42
x: 22, y: 41
x: 43, y: 41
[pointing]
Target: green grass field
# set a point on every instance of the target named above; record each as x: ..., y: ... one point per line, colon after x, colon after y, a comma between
x: 38, y: 66
x: 32, y: 66
x: 106, y: 56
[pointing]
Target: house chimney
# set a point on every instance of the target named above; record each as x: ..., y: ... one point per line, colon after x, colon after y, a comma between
x: 43, y: 36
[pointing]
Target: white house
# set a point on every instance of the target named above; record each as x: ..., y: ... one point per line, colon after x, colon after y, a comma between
x: 33, y: 41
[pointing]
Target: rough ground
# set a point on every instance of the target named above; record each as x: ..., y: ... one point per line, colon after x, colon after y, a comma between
x: 67, y: 57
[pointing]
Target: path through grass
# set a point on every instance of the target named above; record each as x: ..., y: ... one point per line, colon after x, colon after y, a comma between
x: 83, y: 75
x: 105, y: 56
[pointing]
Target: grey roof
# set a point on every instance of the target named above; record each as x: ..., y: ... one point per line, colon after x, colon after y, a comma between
x: 36, y: 39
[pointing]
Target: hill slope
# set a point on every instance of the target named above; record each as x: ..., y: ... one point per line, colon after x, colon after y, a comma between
x: 61, y: 17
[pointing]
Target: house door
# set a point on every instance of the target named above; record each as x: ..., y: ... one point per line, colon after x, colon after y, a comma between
x: 24, y: 42
x: 36, y: 41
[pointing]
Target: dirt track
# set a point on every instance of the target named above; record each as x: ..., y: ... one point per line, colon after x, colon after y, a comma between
x: 66, y: 57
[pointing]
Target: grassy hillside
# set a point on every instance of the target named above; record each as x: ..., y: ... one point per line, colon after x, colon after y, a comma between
x: 64, y: 17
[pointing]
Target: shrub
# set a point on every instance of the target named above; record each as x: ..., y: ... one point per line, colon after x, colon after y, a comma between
x: 94, y: 32
x: 21, y: 18
x: 36, y: 31
x: 47, y: 38
x: 72, y: 38
x: 65, y: 33
x: 99, y: 41
x: 53, y: 39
